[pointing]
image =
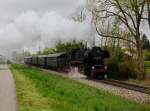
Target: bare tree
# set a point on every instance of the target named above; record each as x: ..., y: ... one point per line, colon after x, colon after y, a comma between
x: 129, y: 14
x: 79, y: 15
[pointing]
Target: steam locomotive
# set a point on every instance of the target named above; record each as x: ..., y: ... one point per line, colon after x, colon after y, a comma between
x: 90, y: 62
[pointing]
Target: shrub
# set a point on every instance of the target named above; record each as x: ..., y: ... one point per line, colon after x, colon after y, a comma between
x: 113, y: 66
x: 127, y: 70
x: 121, y: 69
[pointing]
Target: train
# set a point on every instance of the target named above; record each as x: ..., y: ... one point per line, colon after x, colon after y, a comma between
x: 90, y: 62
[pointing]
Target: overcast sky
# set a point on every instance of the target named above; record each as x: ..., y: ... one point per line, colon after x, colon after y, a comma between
x: 28, y: 23
x: 12, y: 8
x: 23, y: 23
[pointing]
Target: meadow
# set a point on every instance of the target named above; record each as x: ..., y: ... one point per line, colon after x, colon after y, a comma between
x: 42, y: 91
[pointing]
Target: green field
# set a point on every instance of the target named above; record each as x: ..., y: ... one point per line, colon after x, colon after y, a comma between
x: 42, y: 91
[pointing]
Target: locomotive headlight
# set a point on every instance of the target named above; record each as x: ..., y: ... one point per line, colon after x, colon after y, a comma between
x: 93, y: 67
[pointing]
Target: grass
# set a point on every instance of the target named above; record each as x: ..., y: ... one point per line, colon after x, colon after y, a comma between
x: 42, y: 91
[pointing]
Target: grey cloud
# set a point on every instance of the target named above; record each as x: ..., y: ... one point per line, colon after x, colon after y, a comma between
x: 11, y: 8
x: 24, y: 22
x: 49, y: 27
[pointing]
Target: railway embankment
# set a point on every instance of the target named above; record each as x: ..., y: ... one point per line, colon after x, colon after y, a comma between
x: 119, y: 90
x: 41, y: 90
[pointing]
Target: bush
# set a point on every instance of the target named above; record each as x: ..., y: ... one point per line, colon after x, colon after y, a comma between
x: 113, y: 66
x: 127, y: 70
x: 121, y: 69
x: 124, y: 70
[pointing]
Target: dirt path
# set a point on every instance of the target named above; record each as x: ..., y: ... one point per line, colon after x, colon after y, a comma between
x: 7, y: 90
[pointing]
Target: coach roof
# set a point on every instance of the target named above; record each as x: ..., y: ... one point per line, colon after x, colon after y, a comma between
x: 56, y: 55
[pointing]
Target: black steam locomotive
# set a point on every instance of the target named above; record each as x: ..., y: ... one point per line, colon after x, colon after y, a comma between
x: 88, y: 61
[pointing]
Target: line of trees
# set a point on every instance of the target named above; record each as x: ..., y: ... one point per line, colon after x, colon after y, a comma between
x: 64, y: 47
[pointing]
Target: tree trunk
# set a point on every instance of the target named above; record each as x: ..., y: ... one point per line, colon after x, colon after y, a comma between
x: 140, y: 56
x: 140, y: 63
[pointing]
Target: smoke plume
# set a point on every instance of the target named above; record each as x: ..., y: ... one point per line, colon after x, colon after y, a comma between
x: 31, y: 28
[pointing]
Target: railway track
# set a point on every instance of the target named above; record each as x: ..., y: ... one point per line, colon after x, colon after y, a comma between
x: 139, y: 88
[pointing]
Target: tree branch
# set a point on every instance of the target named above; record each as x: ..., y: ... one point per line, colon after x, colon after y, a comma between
x: 112, y: 36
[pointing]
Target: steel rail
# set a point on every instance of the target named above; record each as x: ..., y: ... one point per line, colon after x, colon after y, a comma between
x: 134, y: 87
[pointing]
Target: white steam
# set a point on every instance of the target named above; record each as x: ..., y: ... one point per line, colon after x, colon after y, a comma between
x: 29, y: 28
